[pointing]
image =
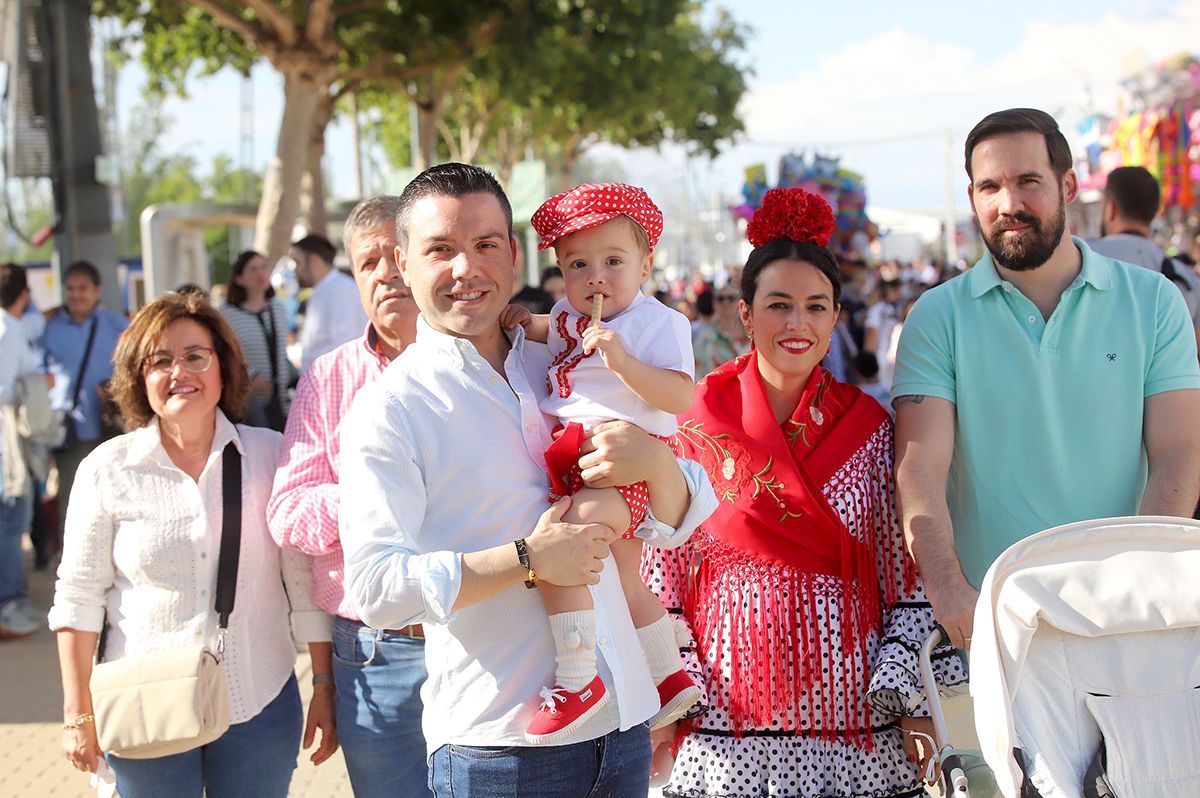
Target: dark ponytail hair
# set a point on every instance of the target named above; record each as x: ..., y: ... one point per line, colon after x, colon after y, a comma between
x: 236, y: 295
x: 787, y: 249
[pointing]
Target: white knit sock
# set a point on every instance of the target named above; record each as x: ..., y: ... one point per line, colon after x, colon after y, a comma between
x: 660, y: 648
x: 575, y: 647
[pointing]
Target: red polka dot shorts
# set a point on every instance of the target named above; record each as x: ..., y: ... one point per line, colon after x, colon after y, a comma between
x: 562, y: 460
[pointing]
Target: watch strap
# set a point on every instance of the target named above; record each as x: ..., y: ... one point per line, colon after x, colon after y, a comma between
x: 523, y: 557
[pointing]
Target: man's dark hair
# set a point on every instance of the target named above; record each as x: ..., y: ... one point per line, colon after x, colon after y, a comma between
x: 317, y: 244
x: 704, y: 301
x: 83, y: 267
x: 548, y: 273
x: 13, y: 283
x: 1135, y: 192
x: 866, y: 363
x: 1023, y: 120
x: 448, y: 180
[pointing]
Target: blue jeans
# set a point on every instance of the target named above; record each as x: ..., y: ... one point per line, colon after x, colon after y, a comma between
x: 614, y: 766
x: 15, y: 515
x: 254, y: 759
x: 378, y: 676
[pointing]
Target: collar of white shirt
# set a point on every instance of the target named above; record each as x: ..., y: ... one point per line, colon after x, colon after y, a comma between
x: 147, y: 442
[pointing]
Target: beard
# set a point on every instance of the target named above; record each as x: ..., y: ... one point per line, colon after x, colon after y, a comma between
x: 1032, y: 248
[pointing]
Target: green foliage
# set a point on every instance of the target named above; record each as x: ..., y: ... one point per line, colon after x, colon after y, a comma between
x: 172, y: 39
x: 560, y: 76
x: 501, y: 77
x: 150, y: 176
x: 32, y: 209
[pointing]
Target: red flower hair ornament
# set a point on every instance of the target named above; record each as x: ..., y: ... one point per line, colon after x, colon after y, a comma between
x: 791, y: 213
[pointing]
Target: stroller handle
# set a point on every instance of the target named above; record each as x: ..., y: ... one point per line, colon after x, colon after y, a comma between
x: 940, y: 733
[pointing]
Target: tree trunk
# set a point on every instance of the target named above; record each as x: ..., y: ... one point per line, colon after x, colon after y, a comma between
x: 280, y: 203
x: 427, y: 122
x: 313, y: 184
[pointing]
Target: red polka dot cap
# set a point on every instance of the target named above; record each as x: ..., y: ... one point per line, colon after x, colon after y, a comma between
x: 593, y: 204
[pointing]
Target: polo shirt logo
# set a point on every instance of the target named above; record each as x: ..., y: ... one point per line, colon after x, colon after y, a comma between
x: 1112, y: 357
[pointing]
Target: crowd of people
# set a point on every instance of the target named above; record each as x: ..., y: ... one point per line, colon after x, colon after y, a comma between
x: 564, y: 539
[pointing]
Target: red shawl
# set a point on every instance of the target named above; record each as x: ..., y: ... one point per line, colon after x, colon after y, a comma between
x: 775, y: 529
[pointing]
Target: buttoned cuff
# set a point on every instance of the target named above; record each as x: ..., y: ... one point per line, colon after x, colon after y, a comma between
x: 312, y: 627
x: 76, y: 616
x: 441, y: 580
x: 703, y: 503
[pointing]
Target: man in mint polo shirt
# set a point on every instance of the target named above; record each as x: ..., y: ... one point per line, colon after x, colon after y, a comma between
x: 1048, y: 384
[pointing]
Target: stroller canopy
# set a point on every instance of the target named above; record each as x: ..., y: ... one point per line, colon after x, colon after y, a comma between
x: 1089, y: 634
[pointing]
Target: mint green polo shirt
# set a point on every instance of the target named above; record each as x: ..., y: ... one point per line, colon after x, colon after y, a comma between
x: 1049, y: 413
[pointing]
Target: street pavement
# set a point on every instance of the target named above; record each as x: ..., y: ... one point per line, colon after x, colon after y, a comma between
x: 31, y: 720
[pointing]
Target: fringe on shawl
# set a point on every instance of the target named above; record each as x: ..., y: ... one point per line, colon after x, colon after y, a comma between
x: 769, y: 616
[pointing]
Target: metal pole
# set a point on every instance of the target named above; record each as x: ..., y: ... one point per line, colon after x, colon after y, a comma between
x: 354, y: 132
x: 951, y: 224
x: 414, y: 127
x: 81, y: 200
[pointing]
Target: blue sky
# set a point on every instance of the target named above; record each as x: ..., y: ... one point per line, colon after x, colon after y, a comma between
x: 837, y: 74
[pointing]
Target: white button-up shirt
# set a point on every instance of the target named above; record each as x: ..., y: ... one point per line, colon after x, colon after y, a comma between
x: 16, y: 360
x: 333, y: 315
x: 441, y: 456
x: 142, y: 543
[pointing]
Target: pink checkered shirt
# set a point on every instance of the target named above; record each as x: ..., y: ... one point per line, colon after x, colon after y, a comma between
x: 303, y: 511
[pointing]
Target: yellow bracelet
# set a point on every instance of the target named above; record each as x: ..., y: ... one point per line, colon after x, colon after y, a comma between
x: 79, y: 721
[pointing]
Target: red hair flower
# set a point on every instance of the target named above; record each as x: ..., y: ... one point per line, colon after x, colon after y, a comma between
x: 791, y: 213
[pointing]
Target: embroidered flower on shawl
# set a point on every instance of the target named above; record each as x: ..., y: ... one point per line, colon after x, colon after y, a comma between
x: 791, y: 213
x: 726, y: 461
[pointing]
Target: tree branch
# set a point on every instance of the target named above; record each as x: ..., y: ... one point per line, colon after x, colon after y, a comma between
x: 484, y: 34
x: 318, y: 20
x: 354, y: 8
x: 276, y: 20
x: 252, y: 33
x: 448, y: 138
x: 383, y: 69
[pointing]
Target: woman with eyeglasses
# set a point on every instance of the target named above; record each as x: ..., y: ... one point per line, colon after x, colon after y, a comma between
x: 140, y: 559
x: 725, y: 338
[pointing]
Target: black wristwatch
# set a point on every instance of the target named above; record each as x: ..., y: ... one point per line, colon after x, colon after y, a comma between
x: 523, y: 556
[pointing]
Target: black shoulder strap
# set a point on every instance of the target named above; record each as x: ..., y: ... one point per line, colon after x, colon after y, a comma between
x: 231, y: 532
x: 87, y: 353
x: 272, y: 344
x: 231, y: 542
x: 1168, y: 271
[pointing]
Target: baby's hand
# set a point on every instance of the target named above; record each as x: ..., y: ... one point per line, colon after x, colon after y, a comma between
x: 612, y: 349
x: 513, y: 315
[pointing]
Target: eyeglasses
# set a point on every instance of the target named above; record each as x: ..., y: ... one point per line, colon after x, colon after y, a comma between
x: 195, y: 360
x: 725, y: 298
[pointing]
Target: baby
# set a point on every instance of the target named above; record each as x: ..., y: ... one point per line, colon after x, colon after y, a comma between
x: 617, y: 354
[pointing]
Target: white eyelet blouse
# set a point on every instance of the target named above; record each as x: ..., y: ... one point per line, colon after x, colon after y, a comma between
x: 142, y: 542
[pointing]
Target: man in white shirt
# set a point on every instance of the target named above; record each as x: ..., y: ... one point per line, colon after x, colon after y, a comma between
x: 17, y: 616
x: 443, y: 518
x: 332, y: 315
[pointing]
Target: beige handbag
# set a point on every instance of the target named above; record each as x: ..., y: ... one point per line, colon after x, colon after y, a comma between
x: 160, y: 704
x: 168, y: 702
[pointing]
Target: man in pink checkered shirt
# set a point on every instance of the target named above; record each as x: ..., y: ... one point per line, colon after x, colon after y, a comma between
x: 377, y: 673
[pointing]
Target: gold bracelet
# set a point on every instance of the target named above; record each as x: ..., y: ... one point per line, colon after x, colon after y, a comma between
x: 79, y: 721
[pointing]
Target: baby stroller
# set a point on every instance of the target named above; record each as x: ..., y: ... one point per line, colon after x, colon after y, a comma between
x: 1085, y: 663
